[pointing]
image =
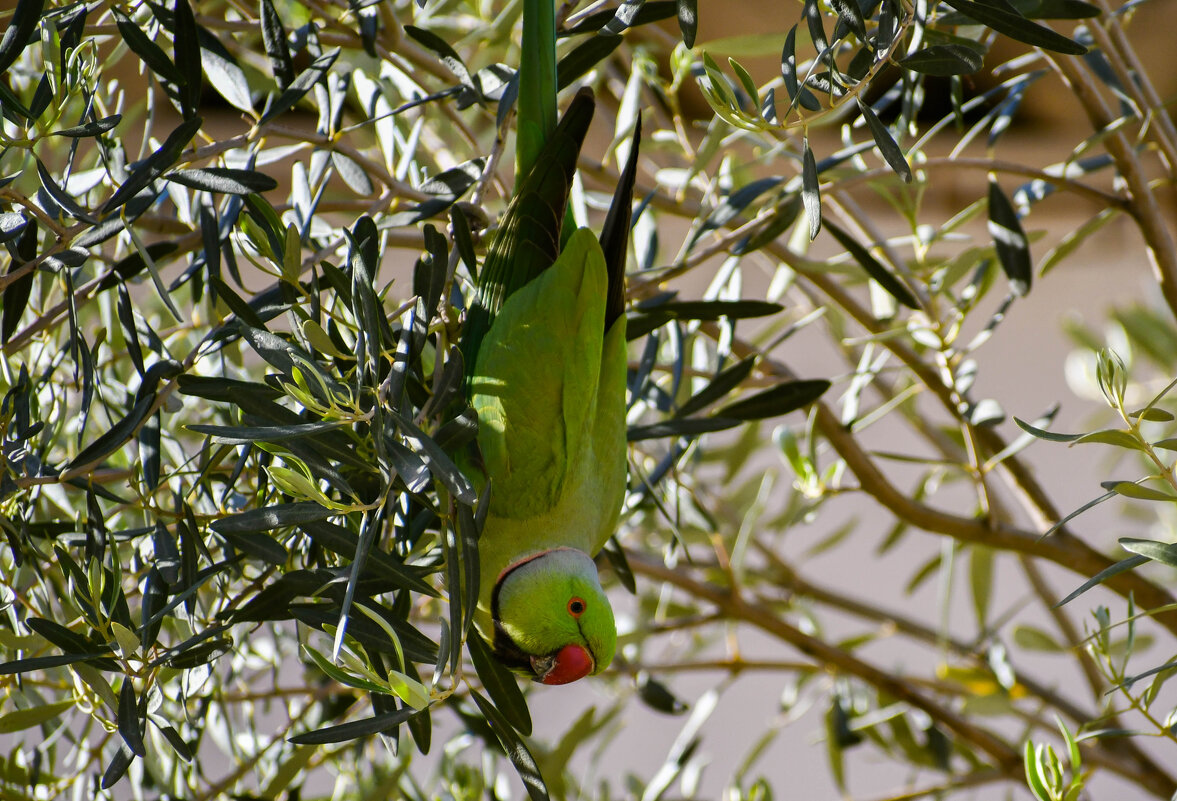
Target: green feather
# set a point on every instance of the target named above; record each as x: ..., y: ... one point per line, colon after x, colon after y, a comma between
x: 528, y: 238
x: 537, y: 84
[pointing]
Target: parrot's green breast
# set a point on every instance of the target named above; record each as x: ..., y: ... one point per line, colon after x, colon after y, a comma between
x: 549, y: 389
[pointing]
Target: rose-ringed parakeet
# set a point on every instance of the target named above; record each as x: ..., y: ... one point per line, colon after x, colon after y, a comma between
x: 544, y: 346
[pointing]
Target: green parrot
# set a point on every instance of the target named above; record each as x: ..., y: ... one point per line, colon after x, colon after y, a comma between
x: 545, y: 352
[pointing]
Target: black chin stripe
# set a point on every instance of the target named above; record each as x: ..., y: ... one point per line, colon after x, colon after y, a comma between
x: 508, y: 652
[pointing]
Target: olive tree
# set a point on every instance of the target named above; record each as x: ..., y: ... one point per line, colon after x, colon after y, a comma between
x: 239, y: 243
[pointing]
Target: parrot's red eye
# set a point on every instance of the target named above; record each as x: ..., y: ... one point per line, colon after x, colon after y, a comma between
x: 576, y: 606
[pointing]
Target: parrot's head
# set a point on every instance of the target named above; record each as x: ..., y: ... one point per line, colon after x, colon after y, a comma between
x: 552, y: 621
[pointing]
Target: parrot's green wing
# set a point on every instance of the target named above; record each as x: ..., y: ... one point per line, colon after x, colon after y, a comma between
x: 536, y: 383
x: 528, y: 239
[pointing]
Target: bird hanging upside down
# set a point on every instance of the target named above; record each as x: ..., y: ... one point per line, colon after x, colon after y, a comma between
x: 545, y: 353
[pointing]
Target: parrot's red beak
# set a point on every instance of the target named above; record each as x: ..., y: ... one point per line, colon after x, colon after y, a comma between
x: 570, y: 663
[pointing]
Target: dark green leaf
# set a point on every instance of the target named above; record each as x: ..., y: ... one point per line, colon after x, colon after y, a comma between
x: 91, y: 128
x: 186, y: 47
x: 119, y: 763
x: 129, y: 724
x: 620, y: 564
x: 516, y: 751
x: 12, y: 108
x: 768, y: 107
x: 37, y: 663
x: 1152, y: 414
x: 378, y: 724
x: 1111, y: 436
x: 67, y: 203
x: 274, y: 600
x: 944, y: 60
x: 688, y: 20
x: 797, y: 94
x: 1013, y: 249
x: 115, y: 223
x: 732, y: 205
x: 463, y: 239
x: 148, y: 51
x: 224, y: 390
x: 1047, y: 435
x: 681, y: 427
x: 655, y: 695
x: 453, y: 584
x: 723, y: 383
x: 240, y: 435
x: 274, y: 37
x: 300, y: 86
x: 20, y: 29
x: 469, y: 527
x: 810, y: 188
x: 1130, y: 489
x: 270, y: 518
x: 817, y: 33
x: 440, y: 464
x: 885, y: 142
x: 11, y: 225
x: 20, y: 719
x: 429, y: 279
x: 223, y: 72
x: 224, y: 179
x: 1067, y: 518
x: 1163, y: 552
x: 1056, y: 9
x: 343, y: 541
x: 781, y: 399
x: 442, y: 49
x: 69, y: 641
x: 1130, y: 680
x: 714, y: 309
x: 584, y: 57
x: 1009, y: 240
x: 255, y: 544
x: 416, y: 646
x: 116, y: 436
x: 149, y: 451
x: 789, y: 63
x: 365, y: 543
x: 154, y: 165
x: 783, y: 217
x: 194, y: 653
x: 653, y: 11
x: 1103, y: 575
x: 1017, y: 27
x: 500, y: 684
x: 285, y: 356
x: 894, y: 287
x: 182, y: 749
x: 850, y: 15
x: 16, y: 294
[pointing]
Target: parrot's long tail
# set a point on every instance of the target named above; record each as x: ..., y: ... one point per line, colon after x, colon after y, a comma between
x: 528, y: 239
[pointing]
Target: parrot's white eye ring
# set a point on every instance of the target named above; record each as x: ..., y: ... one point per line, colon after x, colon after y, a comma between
x: 576, y: 606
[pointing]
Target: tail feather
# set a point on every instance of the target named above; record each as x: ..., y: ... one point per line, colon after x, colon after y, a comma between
x: 615, y: 232
x: 528, y: 239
